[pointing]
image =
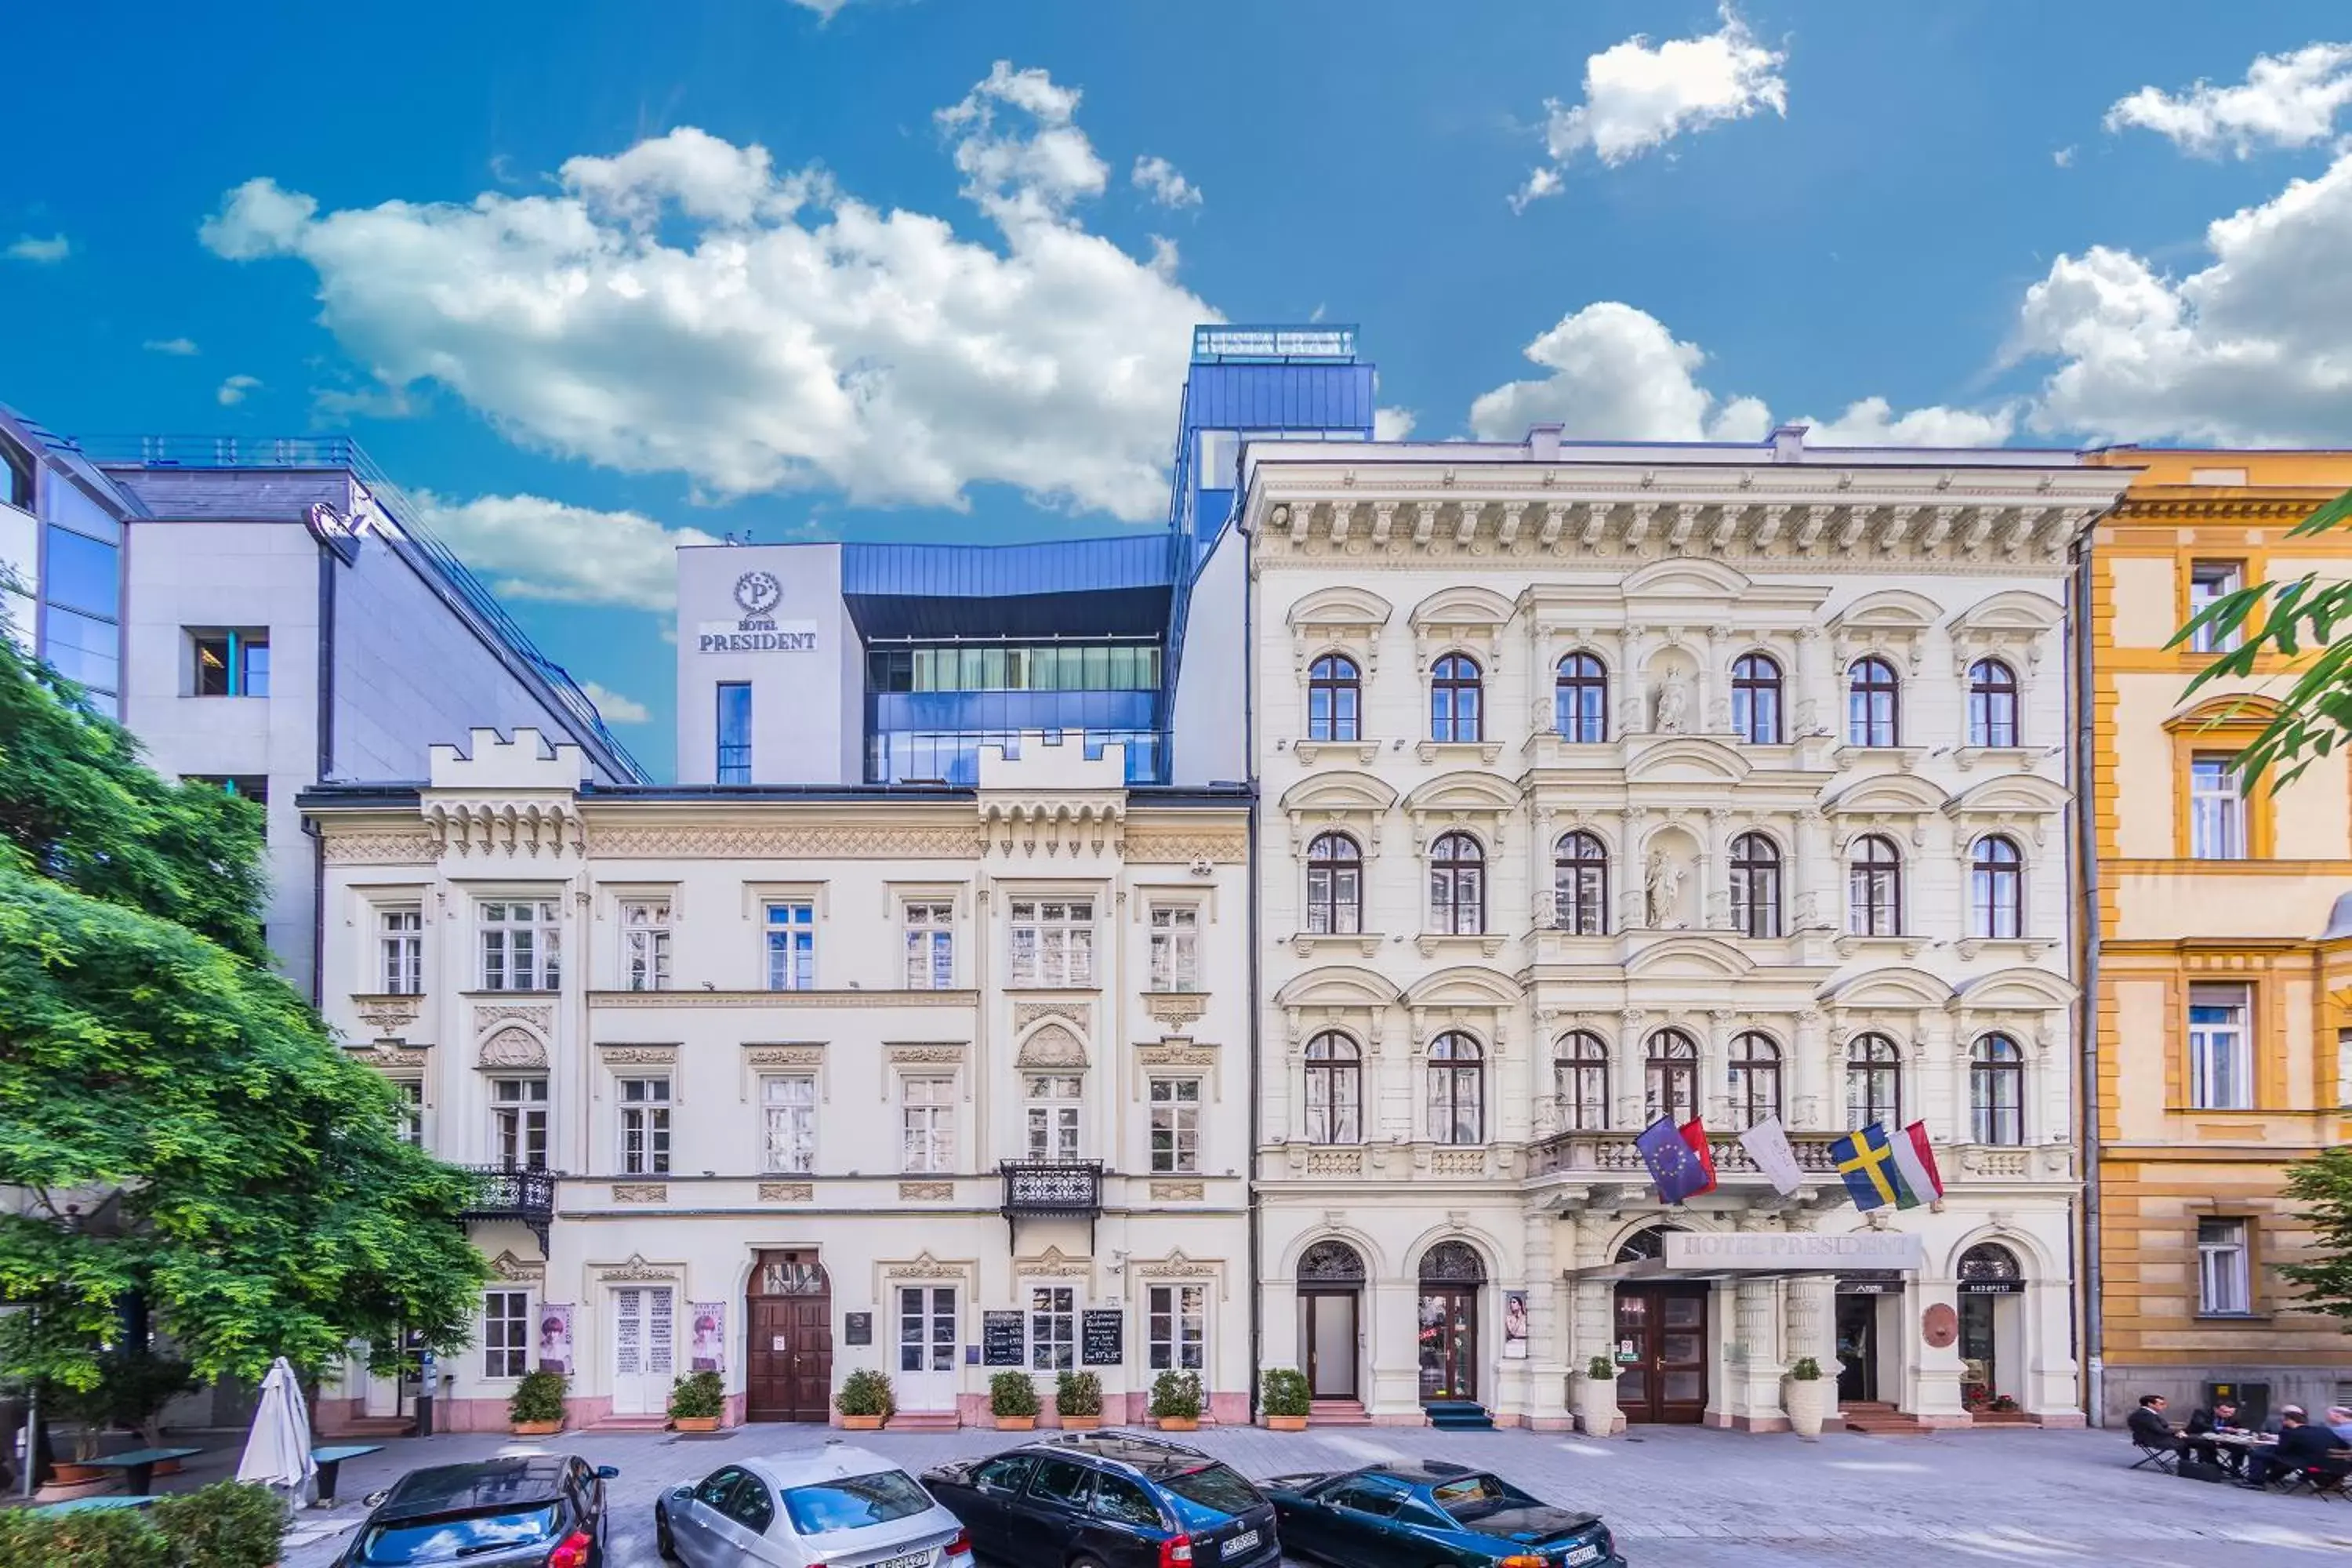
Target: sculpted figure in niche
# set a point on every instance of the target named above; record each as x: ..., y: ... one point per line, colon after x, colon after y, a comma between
x: 1674, y: 705
x: 1665, y: 887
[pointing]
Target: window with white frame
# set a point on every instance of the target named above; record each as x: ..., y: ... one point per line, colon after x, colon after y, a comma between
x: 519, y: 1123
x: 1053, y: 1328
x: 927, y: 1123
x: 2217, y: 808
x: 789, y: 1105
x: 506, y: 1332
x: 2220, y: 1055
x: 1175, y: 1125
x: 522, y: 945
x: 645, y: 1126
x: 1054, y: 942
x: 1055, y: 1102
x: 1175, y: 948
x: 1176, y: 1327
x: 791, y: 945
x: 645, y: 943
x: 931, y: 946
x: 2224, y: 1267
x: 409, y: 1110
x: 2210, y: 581
x: 400, y: 951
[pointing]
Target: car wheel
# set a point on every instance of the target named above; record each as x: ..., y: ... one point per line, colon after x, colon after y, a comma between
x: 1086, y: 1562
x: 663, y: 1541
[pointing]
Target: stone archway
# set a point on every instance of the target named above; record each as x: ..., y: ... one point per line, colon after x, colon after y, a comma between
x: 1331, y: 1318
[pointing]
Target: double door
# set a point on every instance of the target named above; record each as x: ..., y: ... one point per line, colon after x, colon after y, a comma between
x: 1662, y: 1352
x: 645, y: 1349
x: 789, y: 1368
x: 1449, y: 1343
x: 926, y: 1380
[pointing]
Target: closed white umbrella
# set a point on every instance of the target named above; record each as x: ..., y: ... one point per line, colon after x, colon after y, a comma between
x: 278, y: 1449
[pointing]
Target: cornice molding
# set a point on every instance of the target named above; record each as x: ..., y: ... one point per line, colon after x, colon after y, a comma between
x: 803, y: 841
x: 802, y: 999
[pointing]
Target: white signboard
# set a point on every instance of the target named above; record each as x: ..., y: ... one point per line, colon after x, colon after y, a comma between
x: 757, y: 594
x: 1799, y: 1250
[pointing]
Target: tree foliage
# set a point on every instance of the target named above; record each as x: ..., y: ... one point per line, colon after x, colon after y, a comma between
x: 2322, y: 1185
x: 175, y: 1123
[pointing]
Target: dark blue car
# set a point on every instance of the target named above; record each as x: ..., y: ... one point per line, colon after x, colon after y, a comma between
x: 1432, y: 1514
x: 1108, y: 1500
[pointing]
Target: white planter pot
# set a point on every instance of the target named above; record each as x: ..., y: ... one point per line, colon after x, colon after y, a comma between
x: 1596, y: 1405
x: 1809, y: 1402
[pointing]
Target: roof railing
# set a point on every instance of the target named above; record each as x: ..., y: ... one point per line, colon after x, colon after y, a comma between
x: 1239, y: 343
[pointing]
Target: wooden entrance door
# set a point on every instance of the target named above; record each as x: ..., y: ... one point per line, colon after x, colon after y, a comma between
x: 1328, y: 1330
x: 788, y: 1367
x: 1662, y: 1352
x: 1449, y: 1343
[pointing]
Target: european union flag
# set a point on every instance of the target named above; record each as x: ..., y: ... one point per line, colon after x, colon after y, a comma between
x: 1675, y: 1164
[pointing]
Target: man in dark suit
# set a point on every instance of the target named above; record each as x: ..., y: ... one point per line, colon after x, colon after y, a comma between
x: 2149, y: 1430
x: 2300, y: 1446
x: 2223, y: 1417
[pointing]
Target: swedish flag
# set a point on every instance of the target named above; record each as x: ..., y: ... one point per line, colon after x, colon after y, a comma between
x: 1866, y: 1159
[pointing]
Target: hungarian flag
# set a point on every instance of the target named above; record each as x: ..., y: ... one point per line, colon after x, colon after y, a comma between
x: 1917, y: 1161
x: 1679, y: 1160
x: 1881, y: 1168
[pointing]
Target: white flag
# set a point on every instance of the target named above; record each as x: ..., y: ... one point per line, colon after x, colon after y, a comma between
x: 1766, y: 1143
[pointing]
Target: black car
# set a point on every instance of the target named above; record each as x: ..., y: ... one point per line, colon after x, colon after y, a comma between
x: 1108, y: 1500
x: 1434, y: 1514
x: 535, y: 1510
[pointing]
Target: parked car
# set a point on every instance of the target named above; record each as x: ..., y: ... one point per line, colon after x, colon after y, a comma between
x: 534, y: 1510
x: 831, y: 1504
x: 1434, y: 1514
x: 1109, y: 1499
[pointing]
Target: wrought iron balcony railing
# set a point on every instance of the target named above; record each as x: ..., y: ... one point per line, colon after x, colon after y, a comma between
x: 504, y: 1193
x: 1067, y: 1189
x: 1571, y: 1153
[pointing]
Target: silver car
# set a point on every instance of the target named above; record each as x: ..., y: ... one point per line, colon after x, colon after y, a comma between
x: 829, y: 1506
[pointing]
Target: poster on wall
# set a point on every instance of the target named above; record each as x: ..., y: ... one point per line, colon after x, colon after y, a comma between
x: 1103, y: 1339
x: 555, y: 1337
x: 999, y: 1338
x: 1515, y: 1325
x: 708, y: 1352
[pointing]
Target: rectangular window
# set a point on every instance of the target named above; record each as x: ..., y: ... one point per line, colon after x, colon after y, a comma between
x: 644, y: 944
x: 792, y: 947
x: 1175, y: 1125
x: 1053, y: 942
x: 1053, y: 1328
x: 410, y: 1111
x: 400, y: 952
x: 1176, y: 949
x: 506, y: 1332
x: 2210, y: 581
x: 790, y: 1104
x: 254, y: 788
x: 927, y: 1112
x: 519, y: 1123
x: 645, y: 1126
x: 83, y: 649
x: 1177, y: 1329
x: 2220, y: 1054
x: 931, y: 947
x: 1055, y: 1102
x: 2217, y: 808
x: 734, y: 762
x: 82, y: 573
x: 523, y: 944
x: 232, y: 663
x: 2224, y: 1267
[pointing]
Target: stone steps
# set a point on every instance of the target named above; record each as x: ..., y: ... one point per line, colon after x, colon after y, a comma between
x: 923, y: 1421
x: 1337, y: 1413
x: 1876, y: 1418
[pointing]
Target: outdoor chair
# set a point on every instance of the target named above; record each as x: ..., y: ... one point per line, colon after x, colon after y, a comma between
x: 2323, y: 1481
x: 2165, y: 1461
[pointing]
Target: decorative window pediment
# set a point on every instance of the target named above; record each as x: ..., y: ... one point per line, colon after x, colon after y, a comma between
x: 1884, y: 802
x: 1687, y: 759
x: 1893, y: 622
x: 1461, y: 616
x: 1345, y: 617
x: 2022, y: 802
x: 1052, y: 1046
x: 2007, y: 625
x: 1349, y: 800
x: 2019, y: 990
x: 1898, y: 989
x: 1689, y: 957
x: 1688, y: 581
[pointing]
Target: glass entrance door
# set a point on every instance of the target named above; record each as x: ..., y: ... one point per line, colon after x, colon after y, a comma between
x: 1449, y: 1343
x: 926, y: 1348
x: 1660, y: 1352
x: 1857, y: 1348
x: 1328, y: 1333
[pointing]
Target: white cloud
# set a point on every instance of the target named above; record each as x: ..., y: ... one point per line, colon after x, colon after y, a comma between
x: 180, y: 347
x: 2286, y: 101
x: 39, y: 252
x: 685, y: 306
x: 533, y: 548
x: 2063, y: 157
x: 1873, y: 422
x: 615, y: 708
x: 1638, y: 97
x: 1391, y: 424
x: 1158, y: 178
x: 825, y: 9
x: 231, y: 393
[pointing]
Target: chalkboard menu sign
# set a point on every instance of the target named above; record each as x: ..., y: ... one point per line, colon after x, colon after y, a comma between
x: 858, y: 1329
x: 1104, y: 1336
x: 999, y: 1338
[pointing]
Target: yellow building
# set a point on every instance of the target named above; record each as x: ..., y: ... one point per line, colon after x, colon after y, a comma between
x: 2223, y: 986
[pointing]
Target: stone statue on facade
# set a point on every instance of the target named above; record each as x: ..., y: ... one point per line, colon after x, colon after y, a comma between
x: 1665, y: 886
x: 1674, y: 705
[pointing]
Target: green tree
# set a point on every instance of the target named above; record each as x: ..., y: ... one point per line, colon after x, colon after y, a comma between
x: 2322, y: 1185
x: 176, y: 1126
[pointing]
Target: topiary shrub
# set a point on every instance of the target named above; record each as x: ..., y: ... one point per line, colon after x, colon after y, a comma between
x: 1806, y: 1370
x: 1011, y: 1393
x: 867, y: 1391
x: 698, y: 1396
x: 1285, y: 1392
x: 537, y: 1397
x: 1078, y: 1394
x: 227, y: 1525
x: 1176, y: 1396
x: 103, y: 1537
x: 1600, y: 1369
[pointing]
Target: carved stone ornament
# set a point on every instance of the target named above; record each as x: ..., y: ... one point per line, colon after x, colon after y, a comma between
x: 1176, y: 1008
x: 1175, y: 1265
x: 926, y: 1056
x: 638, y: 1056
x: 1183, y: 848
x: 388, y: 1015
x: 539, y: 1018
x: 1665, y: 887
x: 637, y: 1269
x: 924, y: 1267
x: 1052, y: 1265
x: 926, y: 1192
x: 1674, y: 705
x: 811, y: 842
x: 1186, y: 1055
x: 787, y: 1192
x: 384, y: 1057
x: 379, y: 848
x: 775, y: 999
x: 1052, y: 1047
x: 1027, y: 1013
x: 784, y: 1057
x: 514, y: 1048
x: 515, y: 1270
x: 1178, y: 1191
x: 640, y: 1192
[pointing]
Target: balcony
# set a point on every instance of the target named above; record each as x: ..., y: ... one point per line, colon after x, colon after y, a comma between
x: 1052, y: 1189
x: 1614, y: 1154
x: 502, y: 1193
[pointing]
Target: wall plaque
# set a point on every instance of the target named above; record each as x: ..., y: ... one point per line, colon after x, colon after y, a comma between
x: 999, y: 1338
x: 1103, y: 1336
x: 857, y: 1329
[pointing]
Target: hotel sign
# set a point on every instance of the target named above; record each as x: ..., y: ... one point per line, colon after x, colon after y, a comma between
x: 757, y: 594
x: 1795, y: 1252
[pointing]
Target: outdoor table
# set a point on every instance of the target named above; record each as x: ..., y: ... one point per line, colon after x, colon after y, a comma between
x: 90, y: 1504
x: 138, y: 1465
x: 329, y: 1461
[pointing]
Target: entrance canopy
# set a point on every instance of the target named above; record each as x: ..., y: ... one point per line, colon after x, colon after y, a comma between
x: 1726, y: 1255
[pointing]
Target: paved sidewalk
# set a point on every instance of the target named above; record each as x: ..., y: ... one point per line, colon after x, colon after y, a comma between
x: 1681, y: 1496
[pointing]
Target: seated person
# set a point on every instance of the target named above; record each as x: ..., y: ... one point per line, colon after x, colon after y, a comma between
x: 2277, y: 1423
x: 2149, y: 1430
x: 2223, y: 1417
x: 2339, y: 1421
x: 2302, y: 1444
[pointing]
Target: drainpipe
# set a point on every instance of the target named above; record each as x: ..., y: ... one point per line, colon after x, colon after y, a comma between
x: 325, y: 725
x: 1256, y: 1100
x: 2086, y: 1008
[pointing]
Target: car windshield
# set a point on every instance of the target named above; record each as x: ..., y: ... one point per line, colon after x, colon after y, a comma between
x: 829, y: 1508
x: 1475, y: 1495
x: 455, y: 1540
x: 1213, y: 1486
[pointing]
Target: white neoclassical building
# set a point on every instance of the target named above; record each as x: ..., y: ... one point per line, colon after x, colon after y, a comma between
x: 1602, y: 783
x: 790, y: 1081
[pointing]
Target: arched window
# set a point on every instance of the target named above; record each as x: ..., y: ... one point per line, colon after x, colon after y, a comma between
x: 1335, y: 885
x: 1993, y: 704
x: 1453, y: 705
x: 1996, y: 1091
x: 1874, y: 1083
x: 1874, y: 887
x: 1581, y: 1077
x: 1335, y: 1090
x: 1647, y: 1245
x: 1756, y: 699
x: 1755, y: 1068
x: 1581, y: 706
x: 1457, y: 885
x: 1755, y: 885
x: 1331, y: 1263
x: 1989, y: 1260
x: 1580, y: 885
x: 1452, y: 1263
x: 1334, y: 697
x: 1873, y: 704
x: 1997, y: 889
x: 1457, y: 1100
x: 1670, y: 1078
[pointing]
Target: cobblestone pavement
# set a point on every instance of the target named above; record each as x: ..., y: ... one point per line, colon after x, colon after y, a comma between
x: 1683, y: 1496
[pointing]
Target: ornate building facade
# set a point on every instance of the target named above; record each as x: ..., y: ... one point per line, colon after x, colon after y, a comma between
x: 1597, y: 784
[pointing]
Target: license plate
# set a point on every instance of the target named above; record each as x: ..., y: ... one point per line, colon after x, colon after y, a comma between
x: 1236, y: 1545
x: 1583, y: 1555
x: 911, y: 1560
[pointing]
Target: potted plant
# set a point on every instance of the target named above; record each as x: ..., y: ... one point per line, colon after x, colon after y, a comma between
x: 697, y: 1401
x: 2005, y: 1405
x: 866, y: 1400
x: 1077, y: 1397
x: 139, y: 1385
x: 1013, y: 1400
x: 89, y: 1410
x: 1596, y: 1397
x: 536, y: 1406
x: 1176, y: 1400
x: 1809, y: 1397
x: 225, y: 1525
x: 1285, y: 1399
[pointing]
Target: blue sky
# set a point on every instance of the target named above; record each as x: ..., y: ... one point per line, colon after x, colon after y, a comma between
x: 590, y: 283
